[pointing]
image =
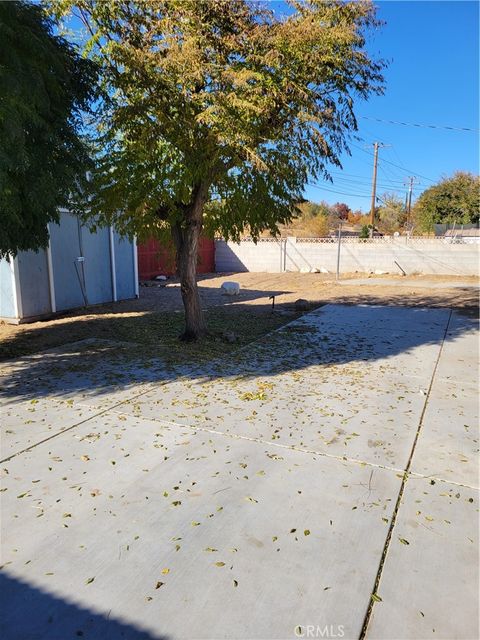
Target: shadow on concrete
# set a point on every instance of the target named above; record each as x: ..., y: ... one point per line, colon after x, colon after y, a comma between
x: 117, y: 368
x: 465, y: 301
x: 30, y: 613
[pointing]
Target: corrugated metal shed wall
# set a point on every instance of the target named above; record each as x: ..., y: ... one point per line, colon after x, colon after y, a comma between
x: 33, y: 278
x: 97, y: 265
x: 7, y: 300
x: 65, y: 249
x: 125, y: 255
x: 71, y: 277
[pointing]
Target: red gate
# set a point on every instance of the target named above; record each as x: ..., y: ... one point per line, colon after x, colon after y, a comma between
x: 156, y: 259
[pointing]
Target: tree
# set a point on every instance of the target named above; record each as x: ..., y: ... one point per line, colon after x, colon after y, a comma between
x: 365, y: 232
x: 317, y: 227
x: 391, y: 213
x: 219, y: 99
x: 354, y: 217
x: 452, y: 200
x: 312, y: 219
x: 307, y: 210
x: 44, y: 86
x: 341, y: 210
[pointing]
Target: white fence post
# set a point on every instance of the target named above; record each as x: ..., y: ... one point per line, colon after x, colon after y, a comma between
x: 338, y: 249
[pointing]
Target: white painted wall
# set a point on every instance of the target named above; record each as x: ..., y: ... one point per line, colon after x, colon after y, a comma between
x: 414, y: 255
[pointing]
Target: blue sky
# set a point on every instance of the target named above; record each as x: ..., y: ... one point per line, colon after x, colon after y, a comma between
x: 433, y: 78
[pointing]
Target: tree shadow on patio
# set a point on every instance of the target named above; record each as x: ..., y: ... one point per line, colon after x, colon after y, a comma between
x: 31, y: 612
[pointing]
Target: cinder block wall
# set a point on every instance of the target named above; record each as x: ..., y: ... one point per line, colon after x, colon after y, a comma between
x: 414, y: 255
x: 247, y: 256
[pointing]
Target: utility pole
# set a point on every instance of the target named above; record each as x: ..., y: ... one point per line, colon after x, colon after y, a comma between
x: 411, y: 182
x: 374, y: 184
x: 376, y: 147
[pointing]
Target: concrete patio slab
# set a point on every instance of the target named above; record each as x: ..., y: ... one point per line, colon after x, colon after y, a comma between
x: 429, y: 585
x: 448, y: 445
x: 314, y: 385
x: 376, y: 425
x: 461, y: 350
x: 250, y: 497
x: 27, y: 423
x: 383, y: 318
x: 464, y: 321
x: 190, y: 534
x: 422, y: 284
x: 93, y: 383
x: 94, y: 375
x: 405, y: 354
x: 367, y: 337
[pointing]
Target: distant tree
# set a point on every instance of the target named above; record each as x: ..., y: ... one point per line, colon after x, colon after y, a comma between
x: 365, y: 232
x: 44, y: 86
x: 452, y: 200
x: 341, y: 210
x: 304, y: 210
x: 317, y: 227
x: 308, y: 209
x: 311, y: 219
x: 322, y: 209
x: 220, y: 99
x: 391, y: 213
x: 355, y: 216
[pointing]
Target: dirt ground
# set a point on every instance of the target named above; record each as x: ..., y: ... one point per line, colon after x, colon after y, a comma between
x: 422, y: 290
x: 155, y: 319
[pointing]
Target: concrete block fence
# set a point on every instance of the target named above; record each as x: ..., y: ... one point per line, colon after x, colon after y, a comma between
x: 413, y: 255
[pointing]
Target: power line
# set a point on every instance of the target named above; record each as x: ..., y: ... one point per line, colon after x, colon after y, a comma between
x: 398, y: 157
x: 363, y: 179
x: 420, y: 125
x: 384, y: 184
x: 388, y: 172
x: 395, y: 165
x: 353, y: 175
x: 389, y: 188
x: 419, y: 175
x: 343, y: 193
x: 356, y: 175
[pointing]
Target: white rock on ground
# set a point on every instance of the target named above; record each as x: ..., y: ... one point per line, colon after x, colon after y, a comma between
x: 230, y: 288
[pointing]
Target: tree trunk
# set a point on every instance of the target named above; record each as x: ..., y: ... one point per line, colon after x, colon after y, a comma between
x: 186, y: 235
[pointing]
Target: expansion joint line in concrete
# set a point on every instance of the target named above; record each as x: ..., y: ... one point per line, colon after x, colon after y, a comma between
x: 406, y: 475
x: 268, y: 443
x: 130, y: 400
x: 419, y: 476
x: 73, y: 426
x: 323, y: 454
